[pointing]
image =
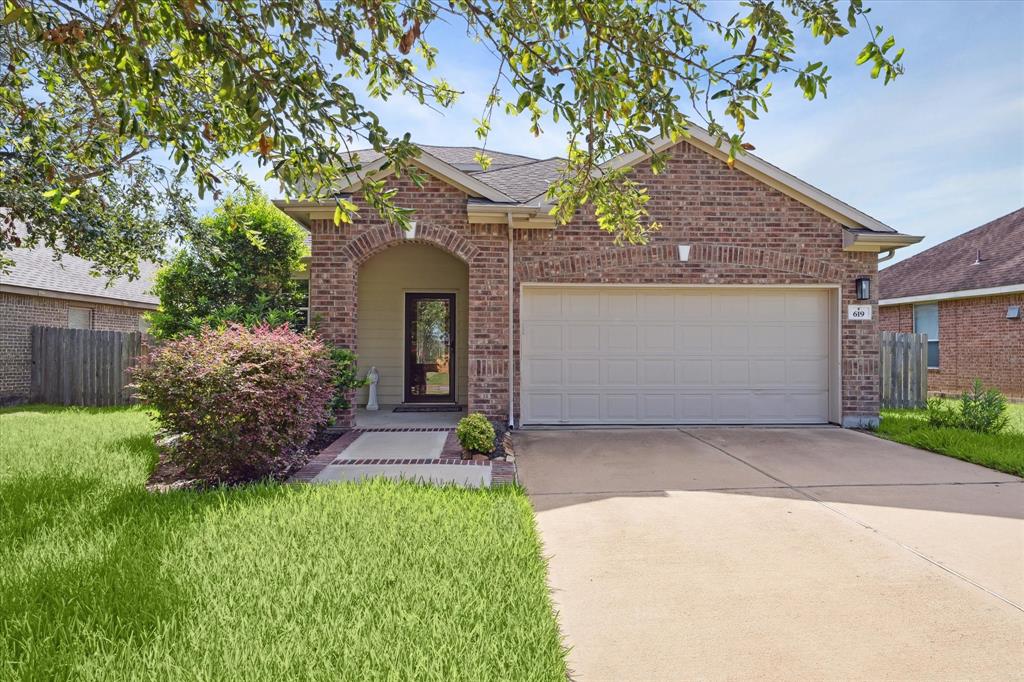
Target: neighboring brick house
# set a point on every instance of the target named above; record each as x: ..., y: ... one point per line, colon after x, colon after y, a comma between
x: 735, y: 312
x: 967, y: 294
x: 44, y: 292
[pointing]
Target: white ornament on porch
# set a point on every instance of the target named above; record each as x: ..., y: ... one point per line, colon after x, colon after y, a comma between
x: 372, y: 377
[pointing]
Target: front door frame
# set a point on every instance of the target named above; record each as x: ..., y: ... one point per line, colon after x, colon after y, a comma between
x: 410, y: 311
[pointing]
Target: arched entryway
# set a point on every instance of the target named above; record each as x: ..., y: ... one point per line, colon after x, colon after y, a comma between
x: 413, y: 324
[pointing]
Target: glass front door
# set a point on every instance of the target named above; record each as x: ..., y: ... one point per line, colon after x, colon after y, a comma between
x: 429, y: 348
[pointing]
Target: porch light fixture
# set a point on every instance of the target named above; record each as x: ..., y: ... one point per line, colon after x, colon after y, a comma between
x: 863, y: 288
x: 1013, y: 312
x: 684, y: 252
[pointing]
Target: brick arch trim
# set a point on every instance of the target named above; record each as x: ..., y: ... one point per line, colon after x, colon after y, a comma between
x: 372, y: 242
x: 716, y: 254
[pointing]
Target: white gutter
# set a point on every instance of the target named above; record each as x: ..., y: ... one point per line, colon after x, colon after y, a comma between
x: 511, y: 341
x: 963, y: 293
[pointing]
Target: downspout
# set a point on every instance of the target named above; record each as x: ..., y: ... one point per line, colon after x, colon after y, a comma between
x: 511, y: 338
x: 888, y: 254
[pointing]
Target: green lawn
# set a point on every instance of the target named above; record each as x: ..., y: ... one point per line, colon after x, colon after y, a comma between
x: 100, y: 580
x: 1003, y: 451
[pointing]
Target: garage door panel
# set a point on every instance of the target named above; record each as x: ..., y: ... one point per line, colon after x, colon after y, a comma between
x: 810, y: 373
x: 544, y: 371
x: 693, y: 306
x: 731, y: 307
x: 688, y: 356
x: 583, y: 408
x: 769, y: 339
x: 543, y: 305
x: 695, y: 339
x: 657, y: 338
x: 695, y: 372
x: 696, y: 408
x: 658, y: 372
x: 618, y: 307
x: 544, y: 408
x: 768, y: 307
x: 619, y: 339
x: 583, y: 338
x: 658, y: 407
x: 583, y: 372
x: 730, y: 338
x: 768, y: 372
x: 620, y: 372
x: 582, y: 305
x: 731, y: 372
x: 544, y: 338
x: 620, y: 408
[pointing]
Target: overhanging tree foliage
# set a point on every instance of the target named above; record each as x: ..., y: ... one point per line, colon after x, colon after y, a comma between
x: 94, y: 94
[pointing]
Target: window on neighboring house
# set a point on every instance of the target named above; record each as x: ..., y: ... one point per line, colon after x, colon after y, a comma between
x: 143, y: 324
x: 926, y: 321
x: 79, y: 318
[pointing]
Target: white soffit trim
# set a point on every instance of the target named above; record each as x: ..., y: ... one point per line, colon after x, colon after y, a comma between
x: 771, y: 175
x: 963, y: 293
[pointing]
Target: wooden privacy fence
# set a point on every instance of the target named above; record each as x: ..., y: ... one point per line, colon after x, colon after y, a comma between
x: 904, y: 365
x: 82, y: 366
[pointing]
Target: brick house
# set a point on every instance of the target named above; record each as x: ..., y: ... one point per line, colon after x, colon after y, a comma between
x: 41, y: 291
x: 735, y: 312
x: 967, y: 294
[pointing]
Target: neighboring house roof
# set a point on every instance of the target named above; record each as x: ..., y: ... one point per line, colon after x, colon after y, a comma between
x: 516, y: 185
x: 36, y: 273
x: 954, y: 266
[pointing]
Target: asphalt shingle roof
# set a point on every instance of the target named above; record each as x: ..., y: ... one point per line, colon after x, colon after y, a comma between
x: 526, y: 181
x: 954, y: 266
x: 36, y: 269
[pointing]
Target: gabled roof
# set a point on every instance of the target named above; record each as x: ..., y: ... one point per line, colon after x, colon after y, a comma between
x: 515, y: 180
x: 35, y: 272
x: 955, y: 266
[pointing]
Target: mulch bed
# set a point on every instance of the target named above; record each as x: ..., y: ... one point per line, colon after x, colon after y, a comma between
x: 168, y: 476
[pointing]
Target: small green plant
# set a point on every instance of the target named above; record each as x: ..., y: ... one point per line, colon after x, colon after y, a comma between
x: 979, y: 409
x: 476, y: 433
x: 943, y: 414
x: 346, y: 378
x: 983, y: 410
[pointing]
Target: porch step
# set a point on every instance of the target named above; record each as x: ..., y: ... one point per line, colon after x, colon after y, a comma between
x: 426, y: 407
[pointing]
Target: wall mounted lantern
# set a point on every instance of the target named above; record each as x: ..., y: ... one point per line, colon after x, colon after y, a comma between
x: 863, y: 288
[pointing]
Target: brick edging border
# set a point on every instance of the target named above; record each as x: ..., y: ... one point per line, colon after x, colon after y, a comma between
x: 502, y: 473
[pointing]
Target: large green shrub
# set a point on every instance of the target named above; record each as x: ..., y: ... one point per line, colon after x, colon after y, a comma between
x: 979, y: 409
x: 239, y: 267
x: 476, y: 433
x: 241, y: 401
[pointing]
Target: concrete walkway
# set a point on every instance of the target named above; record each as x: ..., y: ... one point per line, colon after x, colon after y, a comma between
x: 743, y: 553
x: 400, y: 455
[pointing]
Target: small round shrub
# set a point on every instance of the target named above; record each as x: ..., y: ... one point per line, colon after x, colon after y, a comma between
x: 476, y: 433
x: 243, y: 401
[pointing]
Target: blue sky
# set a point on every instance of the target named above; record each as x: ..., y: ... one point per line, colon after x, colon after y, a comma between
x: 936, y: 153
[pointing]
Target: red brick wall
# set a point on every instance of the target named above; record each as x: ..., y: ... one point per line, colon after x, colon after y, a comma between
x: 741, y: 232
x: 18, y: 313
x: 975, y: 341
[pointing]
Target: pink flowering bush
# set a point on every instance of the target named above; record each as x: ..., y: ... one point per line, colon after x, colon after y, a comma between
x: 242, y: 402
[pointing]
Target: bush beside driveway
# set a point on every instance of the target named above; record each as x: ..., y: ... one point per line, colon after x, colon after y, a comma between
x: 1000, y: 451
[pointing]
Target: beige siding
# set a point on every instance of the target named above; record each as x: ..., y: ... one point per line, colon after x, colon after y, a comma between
x: 383, y: 282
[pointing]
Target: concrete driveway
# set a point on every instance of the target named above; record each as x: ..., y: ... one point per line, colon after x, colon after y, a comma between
x: 756, y: 553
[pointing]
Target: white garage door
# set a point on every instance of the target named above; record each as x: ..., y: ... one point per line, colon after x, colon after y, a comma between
x: 619, y: 355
